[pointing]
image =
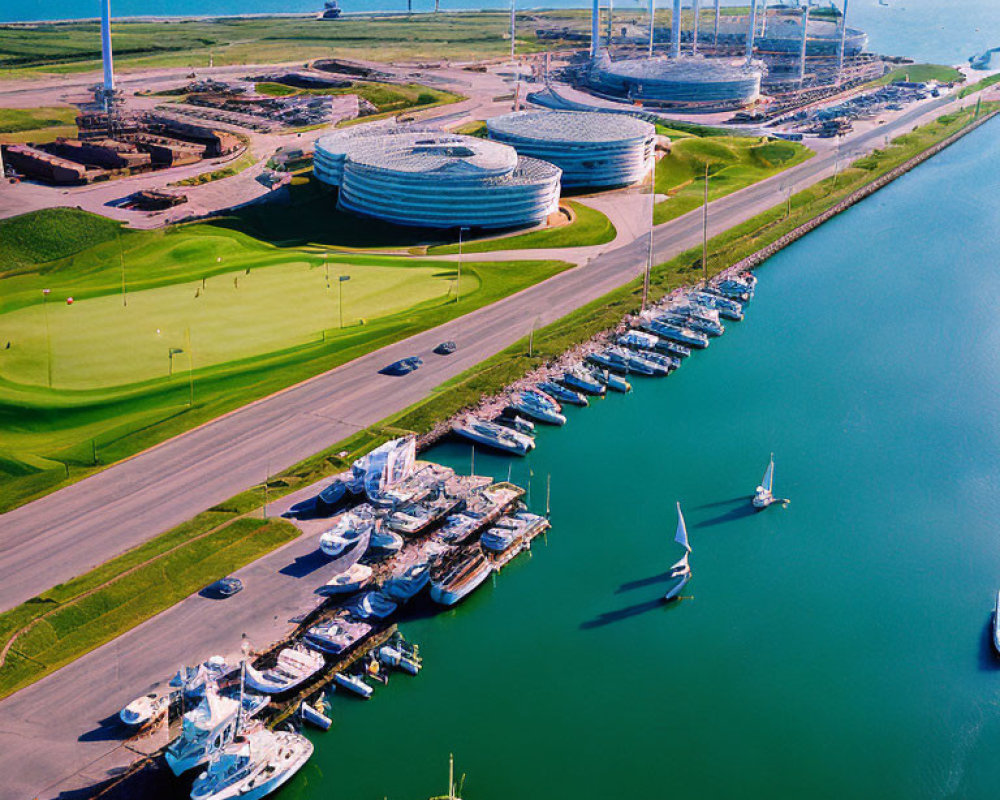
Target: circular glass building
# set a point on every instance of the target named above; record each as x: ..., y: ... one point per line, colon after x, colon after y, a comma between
x: 689, y: 82
x: 436, y: 180
x: 592, y: 148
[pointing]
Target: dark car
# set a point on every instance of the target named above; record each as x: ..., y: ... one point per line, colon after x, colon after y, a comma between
x: 225, y: 587
x: 402, y: 367
x: 446, y: 348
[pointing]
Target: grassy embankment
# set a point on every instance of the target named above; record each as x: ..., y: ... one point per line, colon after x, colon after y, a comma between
x: 978, y: 86
x: 76, y: 46
x: 920, y: 73
x: 45, y: 124
x: 588, y: 228
x: 733, y: 163
x: 465, y: 390
x: 249, y: 315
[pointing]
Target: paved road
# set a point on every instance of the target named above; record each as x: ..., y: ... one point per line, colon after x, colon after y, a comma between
x: 83, y: 525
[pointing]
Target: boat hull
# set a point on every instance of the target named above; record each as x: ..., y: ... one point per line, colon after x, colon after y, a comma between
x: 445, y: 596
x: 675, y: 590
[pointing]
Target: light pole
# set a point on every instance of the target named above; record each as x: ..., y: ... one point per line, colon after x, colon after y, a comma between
x: 48, y: 337
x: 340, y: 296
x: 458, y: 283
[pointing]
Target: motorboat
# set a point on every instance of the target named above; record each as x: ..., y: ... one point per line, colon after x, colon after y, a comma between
x: 309, y: 712
x: 615, y: 382
x: 680, y: 572
x: 353, y: 528
x: 676, y: 333
x: 411, y: 519
x: 492, y: 435
x: 497, y: 540
x: 580, y: 380
x: 456, y: 578
x: 734, y: 290
x: 682, y: 319
x: 294, y: 666
x: 144, y: 710
x: 253, y: 765
x: 543, y: 397
x: 372, y: 605
x: 204, y: 730
x: 996, y: 625
x: 384, y: 542
x: 611, y: 360
x: 395, y: 657
x: 353, y: 683
x: 386, y: 465
x: 728, y: 309
x: 408, y: 583
x: 355, y: 577
x: 193, y: 680
x: 337, y: 635
x: 642, y: 340
x: 562, y: 394
x: 253, y: 702
x: 658, y: 362
x: 763, y: 495
x: 333, y: 493
x: 459, y: 527
x: 530, y: 405
x: 516, y: 423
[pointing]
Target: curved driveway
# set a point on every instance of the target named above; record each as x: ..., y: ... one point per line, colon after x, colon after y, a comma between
x: 72, y: 530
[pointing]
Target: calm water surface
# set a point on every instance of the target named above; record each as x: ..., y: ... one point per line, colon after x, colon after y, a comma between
x: 835, y: 648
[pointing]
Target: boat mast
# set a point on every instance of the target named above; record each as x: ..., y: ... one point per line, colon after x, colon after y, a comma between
x: 451, y: 776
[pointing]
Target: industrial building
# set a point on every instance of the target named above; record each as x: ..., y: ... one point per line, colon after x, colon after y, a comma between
x: 436, y: 180
x: 44, y: 166
x: 593, y: 149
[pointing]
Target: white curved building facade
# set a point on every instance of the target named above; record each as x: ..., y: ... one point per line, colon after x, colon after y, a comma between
x: 436, y: 180
x: 592, y: 148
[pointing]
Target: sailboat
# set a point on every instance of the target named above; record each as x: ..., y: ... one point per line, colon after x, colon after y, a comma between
x: 763, y: 495
x: 680, y: 572
x: 451, y: 782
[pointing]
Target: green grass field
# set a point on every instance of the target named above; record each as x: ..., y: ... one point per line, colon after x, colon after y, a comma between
x: 250, y: 315
x: 386, y: 97
x: 589, y: 227
x: 733, y: 163
x: 922, y: 72
x: 36, y: 124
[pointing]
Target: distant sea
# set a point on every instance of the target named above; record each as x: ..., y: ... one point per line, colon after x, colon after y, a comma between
x: 941, y: 31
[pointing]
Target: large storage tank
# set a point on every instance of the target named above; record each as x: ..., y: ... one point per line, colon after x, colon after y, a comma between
x: 593, y: 149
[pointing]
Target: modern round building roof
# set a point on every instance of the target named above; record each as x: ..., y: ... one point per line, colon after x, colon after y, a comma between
x: 437, y: 153
x: 687, y: 69
x: 569, y: 127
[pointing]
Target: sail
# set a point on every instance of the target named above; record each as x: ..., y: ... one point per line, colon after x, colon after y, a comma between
x: 768, y: 481
x: 681, y: 537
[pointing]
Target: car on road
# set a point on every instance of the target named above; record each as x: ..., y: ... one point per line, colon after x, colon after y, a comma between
x: 446, y: 348
x: 224, y: 587
x: 402, y: 367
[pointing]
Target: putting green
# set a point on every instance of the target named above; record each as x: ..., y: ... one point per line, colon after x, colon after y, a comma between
x: 97, y: 343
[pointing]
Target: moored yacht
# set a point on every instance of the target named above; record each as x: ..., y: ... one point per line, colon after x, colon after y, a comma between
x: 562, y: 394
x: 579, y: 379
x: 676, y: 333
x: 457, y: 577
x: 372, y: 605
x: 204, y: 730
x: 696, y: 317
x: 532, y: 405
x: 384, y: 542
x: 336, y: 635
x: 729, y: 309
x: 253, y: 765
x: 352, y: 529
x: 408, y: 583
x: 355, y: 577
x: 492, y: 435
x: 294, y: 666
x: 143, y: 710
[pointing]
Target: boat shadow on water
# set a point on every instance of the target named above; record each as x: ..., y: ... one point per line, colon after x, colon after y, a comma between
x: 739, y: 508
x: 989, y: 660
x: 621, y: 614
x: 652, y: 580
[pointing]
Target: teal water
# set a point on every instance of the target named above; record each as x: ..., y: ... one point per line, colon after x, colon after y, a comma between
x: 835, y: 648
x: 940, y: 31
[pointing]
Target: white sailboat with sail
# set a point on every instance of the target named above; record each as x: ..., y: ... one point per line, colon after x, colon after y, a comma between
x: 680, y: 573
x: 763, y: 495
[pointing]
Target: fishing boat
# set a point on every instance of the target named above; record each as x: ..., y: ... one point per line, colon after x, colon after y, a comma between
x: 372, y: 605
x: 763, y: 495
x: 295, y: 665
x: 996, y: 625
x: 728, y: 309
x: 143, y: 710
x: 352, y: 528
x: 580, y: 380
x: 408, y: 583
x: 532, y: 406
x: 680, y: 572
x: 353, y: 683
x: 337, y: 635
x: 456, y: 578
x: 492, y: 435
x: 676, y: 333
x: 204, y: 730
x: 355, y: 577
x: 253, y: 765
x: 562, y: 394
x: 384, y: 542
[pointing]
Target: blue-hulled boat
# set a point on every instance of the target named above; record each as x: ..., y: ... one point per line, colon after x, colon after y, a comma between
x: 562, y: 394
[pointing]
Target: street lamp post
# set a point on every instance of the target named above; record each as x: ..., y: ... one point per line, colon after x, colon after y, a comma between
x: 48, y: 336
x: 340, y: 296
x: 458, y: 283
